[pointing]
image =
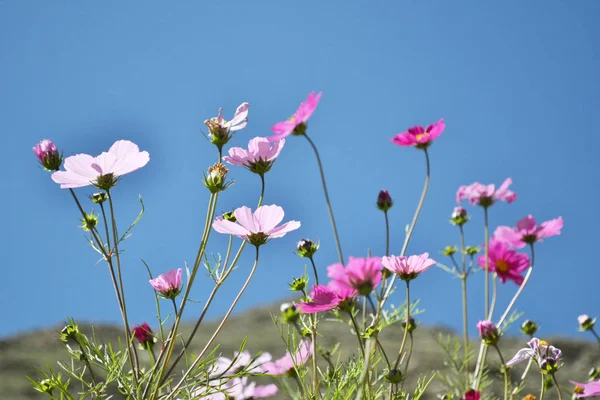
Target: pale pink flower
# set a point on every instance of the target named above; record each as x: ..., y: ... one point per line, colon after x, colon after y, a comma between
x: 506, y: 262
x: 297, y: 123
x: 241, y: 362
x: 408, y: 268
x: 419, y: 137
x: 48, y: 155
x: 547, y: 357
x: 104, y: 170
x: 361, y: 274
x: 241, y: 389
x: 589, y: 389
x: 259, y: 157
x: 486, y: 195
x: 527, y: 232
x: 288, y: 362
x: 258, y: 227
x: 168, y: 284
x: 219, y: 128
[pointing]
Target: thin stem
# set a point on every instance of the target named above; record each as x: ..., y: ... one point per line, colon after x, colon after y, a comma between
x: 410, y: 350
x: 360, y: 342
x: 315, y: 376
x: 387, y: 233
x: 557, y: 387
x: 383, y: 353
x: 297, y: 379
x: 520, y: 290
x: 262, y: 190
x: 505, y: 372
x: 595, y: 334
x: 407, y: 325
x: 486, y: 273
x: 314, y: 269
x: 370, y: 300
x: 87, y: 363
x: 543, y: 389
x: 494, y: 295
x: 335, y: 232
x: 465, y: 325
x: 219, y: 327
x: 523, y: 376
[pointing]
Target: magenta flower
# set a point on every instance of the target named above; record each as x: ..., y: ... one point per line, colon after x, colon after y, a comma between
x: 589, y: 389
x: 506, y: 262
x: 326, y: 298
x: 48, y: 155
x: 488, y: 332
x: 486, y: 195
x: 297, y: 123
x: 419, y: 137
x: 527, y: 232
x: 361, y: 274
x: 168, y: 285
x: 547, y: 357
x: 472, y: 394
x: 104, y: 170
x: 407, y: 268
x: 143, y: 334
x: 219, y: 128
x: 287, y: 363
x: 258, y: 227
x: 259, y: 157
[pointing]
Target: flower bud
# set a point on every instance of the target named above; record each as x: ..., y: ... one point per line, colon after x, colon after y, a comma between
x: 459, y: 216
x: 394, y: 376
x: 585, y: 322
x: 488, y: 332
x: 384, y: 201
x: 472, y: 250
x: 594, y: 374
x: 99, y: 197
x: 450, y: 251
x: 307, y: 248
x: 298, y: 284
x: 371, y: 331
x: 69, y: 333
x: 89, y: 221
x: 48, y: 155
x: 289, y: 313
x: 215, y: 180
x: 144, y: 335
x: 46, y: 386
x: 412, y: 324
x: 529, y: 327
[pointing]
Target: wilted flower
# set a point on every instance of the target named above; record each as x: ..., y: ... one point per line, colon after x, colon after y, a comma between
x: 296, y: 125
x: 527, y: 232
x: 287, y: 363
x: 168, y: 285
x: 384, y: 201
x: 419, y: 137
x: 547, y: 357
x: 48, y: 155
x: 507, y: 263
x: 307, y: 248
x: 215, y: 181
x: 459, y: 216
x: 586, y: 323
x: 486, y: 195
x: 589, y: 389
x: 219, y: 128
x: 104, y: 170
x: 529, y: 327
x: 259, y: 157
x: 143, y: 334
x: 488, y: 332
x: 408, y: 268
x: 361, y: 274
x: 258, y: 227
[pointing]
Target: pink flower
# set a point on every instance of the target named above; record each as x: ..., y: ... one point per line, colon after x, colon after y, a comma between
x: 419, y: 137
x: 408, y: 268
x: 104, y: 170
x: 143, y: 334
x: 287, y: 363
x: 485, y: 195
x: 168, y: 284
x: 361, y: 274
x: 240, y: 389
x: 219, y: 128
x: 297, y: 123
x: 589, y: 389
x: 527, y: 232
x: 547, y: 357
x: 488, y: 332
x: 256, y: 228
x: 259, y: 157
x: 472, y: 394
x: 323, y: 299
x: 507, y: 263
x: 48, y: 155
x: 241, y: 362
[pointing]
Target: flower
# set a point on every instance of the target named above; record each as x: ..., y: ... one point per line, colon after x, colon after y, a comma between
x: 485, y: 195
x: 472, y: 394
x: 408, y: 268
x: 459, y: 216
x: 168, y: 284
x: 242, y: 361
x: 488, y: 332
x: 287, y: 363
x: 259, y: 157
x: 361, y: 274
x: 307, y: 248
x: 240, y: 389
x: 586, y: 323
x: 219, y: 128
x: 47, y: 153
x: 258, y: 227
x: 589, y: 389
x: 143, y: 334
x: 104, y: 170
x: 527, y: 232
x: 384, y: 201
x: 323, y: 299
x: 547, y: 357
x: 297, y: 123
x: 419, y: 137
x: 507, y: 263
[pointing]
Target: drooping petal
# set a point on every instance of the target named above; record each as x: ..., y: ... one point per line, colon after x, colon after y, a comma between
x: 240, y: 117
x: 522, y: 355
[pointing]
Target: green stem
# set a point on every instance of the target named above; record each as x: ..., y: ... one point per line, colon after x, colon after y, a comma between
x: 494, y: 295
x: 464, y: 277
x: 520, y: 290
x: 410, y: 350
x: 360, y: 342
x: 595, y: 334
x: 314, y: 270
x: 505, y: 372
x: 315, y: 376
x: 486, y: 274
x: 335, y: 232
x: 387, y: 234
x: 557, y: 387
x: 407, y: 325
x: 262, y: 191
x: 543, y: 389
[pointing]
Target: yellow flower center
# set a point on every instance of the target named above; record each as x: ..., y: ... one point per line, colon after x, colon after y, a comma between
x: 421, y: 135
x: 543, y: 343
x: 502, y: 266
x: 292, y: 118
x: 578, y: 390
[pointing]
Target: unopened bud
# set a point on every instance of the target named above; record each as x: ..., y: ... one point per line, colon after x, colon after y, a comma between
x: 48, y: 155
x: 69, y: 333
x: 459, y: 216
x: 229, y: 216
x: 384, y: 201
x: 289, y: 313
x: 99, y: 197
x: 586, y: 323
x: 298, y: 284
x: 307, y: 248
x: 529, y: 327
x: 144, y: 335
x: 412, y: 324
x: 89, y: 221
x: 593, y: 374
x: 394, y: 376
x: 450, y: 250
x: 472, y: 250
x: 488, y: 332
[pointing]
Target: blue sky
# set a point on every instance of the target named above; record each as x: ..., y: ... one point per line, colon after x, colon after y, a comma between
x: 517, y: 83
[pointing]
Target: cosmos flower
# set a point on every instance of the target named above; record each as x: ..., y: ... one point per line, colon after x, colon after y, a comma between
x: 419, y: 137
x: 506, y: 262
x: 361, y: 274
x: 287, y: 363
x: 486, y: 195
x: 259, y: 157
x: 407, y: 268
x: 168, y: 284
x: 48, y: 155
x: 297, y: 123
x: 589, y: 389
x: 219, y: 129
x: 547, y: 357
x: 528, y: 232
